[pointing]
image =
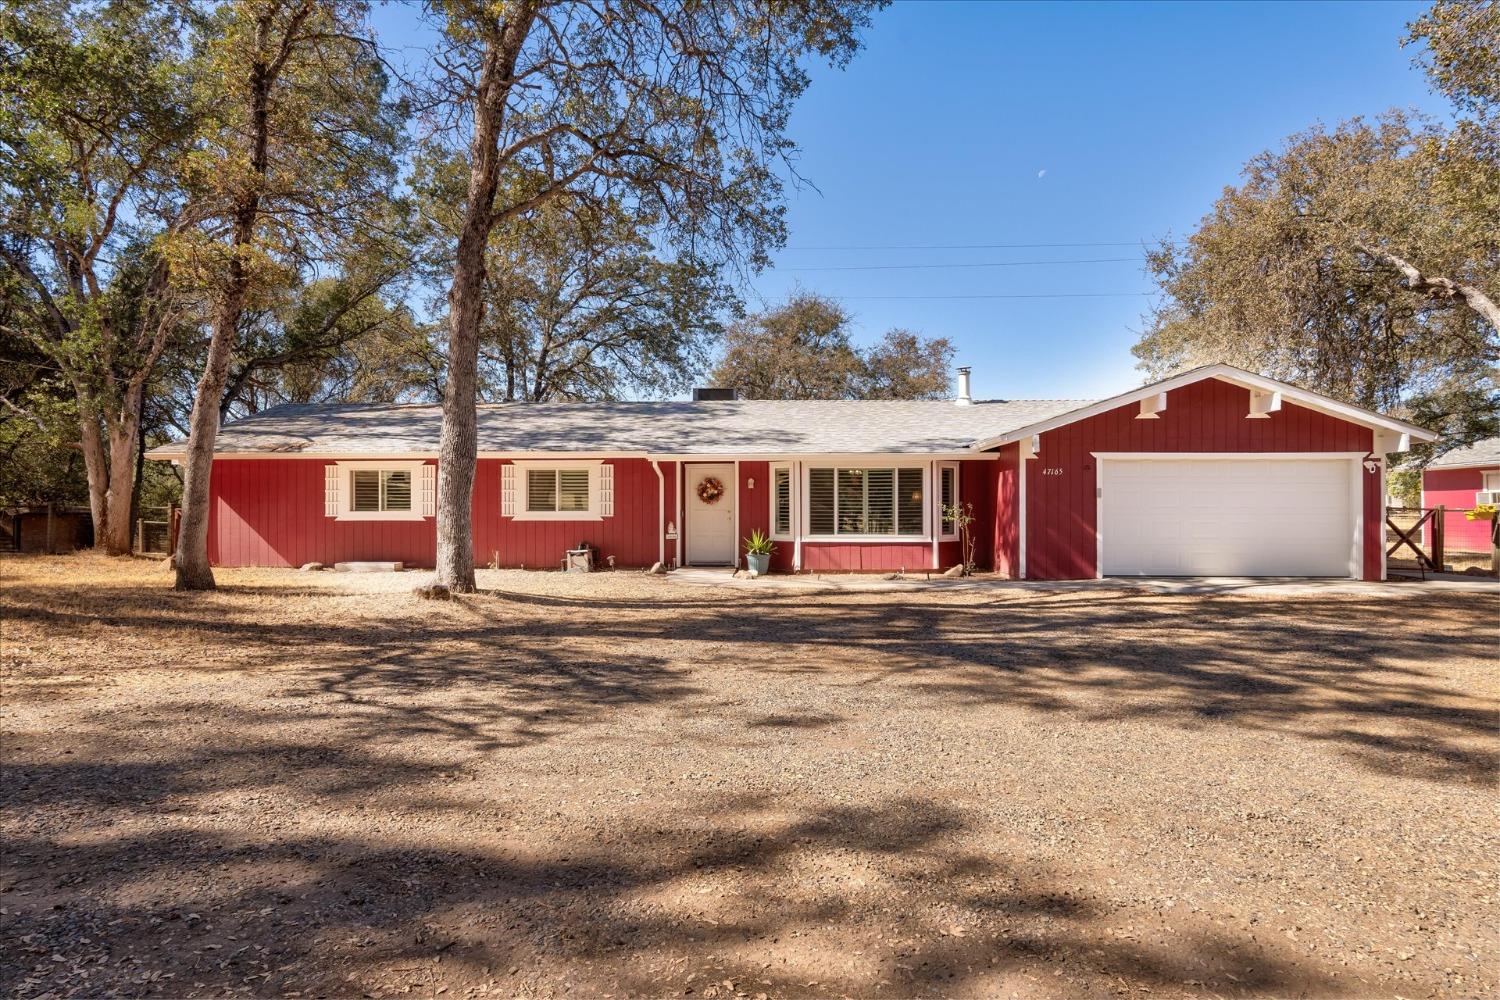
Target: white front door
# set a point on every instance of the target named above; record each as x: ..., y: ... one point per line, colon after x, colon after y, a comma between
x: 710, y: 523
x: 1241, y: 516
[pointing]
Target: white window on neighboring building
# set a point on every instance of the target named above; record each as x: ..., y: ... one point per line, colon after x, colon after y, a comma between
x: 869, y: 502
x: 557, y: 491
x: 379, y: 491
x: 1491, y: 491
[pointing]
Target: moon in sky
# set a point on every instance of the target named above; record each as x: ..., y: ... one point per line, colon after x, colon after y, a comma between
x: 1040, y: 174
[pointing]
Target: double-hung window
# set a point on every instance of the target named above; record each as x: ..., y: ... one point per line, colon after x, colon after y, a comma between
x: 877, y: 501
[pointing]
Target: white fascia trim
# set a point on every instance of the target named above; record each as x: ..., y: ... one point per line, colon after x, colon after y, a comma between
x: 1226, y: 373
x: 384, y: 465
x: 544, y: 456
x: 843, y: 458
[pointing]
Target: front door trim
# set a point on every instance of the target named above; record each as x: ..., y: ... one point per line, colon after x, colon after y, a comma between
x: 729, y: 473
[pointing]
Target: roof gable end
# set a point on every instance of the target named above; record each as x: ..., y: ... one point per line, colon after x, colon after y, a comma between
x: 1400, y: 431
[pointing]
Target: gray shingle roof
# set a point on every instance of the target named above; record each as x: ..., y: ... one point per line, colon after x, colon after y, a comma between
x: 1486, y: 452
x: 740, y: 427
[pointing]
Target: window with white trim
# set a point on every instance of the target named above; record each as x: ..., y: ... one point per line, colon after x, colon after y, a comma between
x: 947, y: 499
x: 781, y: 501
x: 866, y: 502
x: 557, y: 491
x: 379, y: 491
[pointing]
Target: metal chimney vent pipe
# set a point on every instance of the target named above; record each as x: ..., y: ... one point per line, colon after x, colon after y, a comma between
x: 963, y: 398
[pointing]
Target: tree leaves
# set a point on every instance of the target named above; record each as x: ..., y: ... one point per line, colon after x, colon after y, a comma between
x: 801, y: 350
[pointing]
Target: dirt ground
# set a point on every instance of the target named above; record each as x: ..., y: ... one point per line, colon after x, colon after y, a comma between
x: 317, y: 785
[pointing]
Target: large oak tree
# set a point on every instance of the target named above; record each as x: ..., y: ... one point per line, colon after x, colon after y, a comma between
x: 1361, y: 260
x: 296, y: 162
x: 681, y: 109
x: 803, y: 349
x: 96, y: 121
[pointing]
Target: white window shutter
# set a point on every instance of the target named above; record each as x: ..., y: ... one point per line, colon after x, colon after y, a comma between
x: 508, y: 490
x: 429, y: 491
x: 606, y: 490
x: 331, y: 491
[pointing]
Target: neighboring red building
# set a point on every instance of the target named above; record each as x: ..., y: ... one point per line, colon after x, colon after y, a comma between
x: 1459, y: 481
x: 1215, y: 472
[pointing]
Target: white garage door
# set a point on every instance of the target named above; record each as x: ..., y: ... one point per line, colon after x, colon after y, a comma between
x: 1227, y: 517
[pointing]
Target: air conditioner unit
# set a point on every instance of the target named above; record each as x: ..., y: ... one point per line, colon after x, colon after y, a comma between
x: 1487, y: 496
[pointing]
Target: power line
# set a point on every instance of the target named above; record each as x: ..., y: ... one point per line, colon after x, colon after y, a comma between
x: 973, y: 246
x: 935, y: 267
x: 1027, y: 295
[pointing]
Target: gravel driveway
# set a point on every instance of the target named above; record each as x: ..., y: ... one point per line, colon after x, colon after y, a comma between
x: 315, y: 784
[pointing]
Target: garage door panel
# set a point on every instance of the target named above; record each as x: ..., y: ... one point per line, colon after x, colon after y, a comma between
x: 1226, y: 517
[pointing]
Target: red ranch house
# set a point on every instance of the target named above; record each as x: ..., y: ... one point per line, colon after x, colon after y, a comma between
x: 1460, y: 481
x: 1214, y: 472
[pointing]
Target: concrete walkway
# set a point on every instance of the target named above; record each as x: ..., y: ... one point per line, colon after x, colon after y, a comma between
x: 703, y: 576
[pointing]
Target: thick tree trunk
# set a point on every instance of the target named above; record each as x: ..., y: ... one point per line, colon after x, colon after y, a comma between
x: 457, y: 448
x: 122, y: 443
x: 193, y: 569
x: 95, y: 465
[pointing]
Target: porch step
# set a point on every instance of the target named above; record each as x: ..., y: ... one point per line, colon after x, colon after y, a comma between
x: 368, y: 567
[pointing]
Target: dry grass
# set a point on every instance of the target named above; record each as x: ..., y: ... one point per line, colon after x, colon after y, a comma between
x: 315, y: 784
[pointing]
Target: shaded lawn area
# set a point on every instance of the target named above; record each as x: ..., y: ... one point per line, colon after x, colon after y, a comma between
x: 316, y: 784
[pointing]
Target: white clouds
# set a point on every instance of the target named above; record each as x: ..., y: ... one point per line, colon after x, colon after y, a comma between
x: 1040, y: 174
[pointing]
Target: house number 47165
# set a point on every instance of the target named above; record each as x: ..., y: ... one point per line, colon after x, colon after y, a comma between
x: 1052, y: 472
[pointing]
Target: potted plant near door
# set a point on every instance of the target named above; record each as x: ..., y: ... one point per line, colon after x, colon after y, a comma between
x: 758, y: 549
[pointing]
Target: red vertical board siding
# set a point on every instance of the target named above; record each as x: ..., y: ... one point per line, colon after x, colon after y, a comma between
x: 755, y: 504
x: 1006, y: 535
x: 269, y: 512
x: 1455, y: 489
x: 631, y: 535
x: 865, y: 557
x: 976, y: 491
x: 1206, y: 416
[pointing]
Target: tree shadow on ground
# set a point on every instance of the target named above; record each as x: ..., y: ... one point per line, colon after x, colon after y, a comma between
x: 369, y: 720
x: 627, y: 913
x: 491, y: 672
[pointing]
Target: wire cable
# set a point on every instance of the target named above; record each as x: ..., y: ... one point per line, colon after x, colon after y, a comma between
x: 973, y: 246
x: 935, y: 267
x: 1024, y: 295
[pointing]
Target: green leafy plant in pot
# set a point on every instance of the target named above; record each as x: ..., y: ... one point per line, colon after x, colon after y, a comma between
x: 758, y: 549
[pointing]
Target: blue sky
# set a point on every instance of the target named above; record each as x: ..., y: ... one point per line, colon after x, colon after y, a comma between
x: 939, y: 133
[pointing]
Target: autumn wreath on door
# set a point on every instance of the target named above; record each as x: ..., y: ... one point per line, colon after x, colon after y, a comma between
x: 710, y: 490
